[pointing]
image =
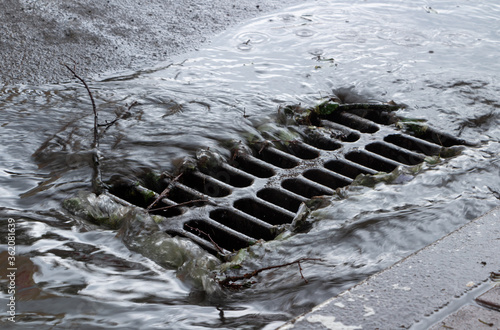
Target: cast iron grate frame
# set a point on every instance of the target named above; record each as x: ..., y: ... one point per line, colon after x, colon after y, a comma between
x: 234, y: 204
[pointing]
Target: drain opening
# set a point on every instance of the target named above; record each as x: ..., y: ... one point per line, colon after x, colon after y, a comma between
x: 414, y: 144
x: 209, y: 232
x: 253, y: 166
x: 353, y: 121
x: 340, y: 132
x: 433, y: 135
x: 277, y: 158
x: 229, y: 175
x: 143, y: 197
x: 347, y: 169
x: 302, y: 151
x: 280, y: 198
x: 321, y: 142
x: 263, y: 212
x: 327, y: 179
x: 379, y: 117
x: 371, y: 160
x: 242, y: 224
x: 180, y: 195
x: 305, y: 188
x: 402, y: 156
x: 204, y: 184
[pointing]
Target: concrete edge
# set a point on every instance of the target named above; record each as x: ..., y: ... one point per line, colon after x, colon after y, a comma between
x: 418, y: 287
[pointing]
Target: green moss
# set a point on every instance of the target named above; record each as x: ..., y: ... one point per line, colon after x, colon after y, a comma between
x: 451, y: 151
x: 412, y: 128
x: 326, y: 108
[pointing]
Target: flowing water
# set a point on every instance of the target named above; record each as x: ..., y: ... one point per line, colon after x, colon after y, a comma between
x: 440, y: 58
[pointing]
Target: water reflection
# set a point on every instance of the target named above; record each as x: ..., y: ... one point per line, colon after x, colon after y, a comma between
x: 442, y: 63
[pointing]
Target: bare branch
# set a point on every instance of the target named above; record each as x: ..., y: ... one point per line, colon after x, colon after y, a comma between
x: 217, y: 247
x: 165, y: 192
x: 180, y: 204
x: 227, y: 282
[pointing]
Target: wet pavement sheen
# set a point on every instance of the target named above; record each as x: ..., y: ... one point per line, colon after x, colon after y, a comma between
x: 438, y: 287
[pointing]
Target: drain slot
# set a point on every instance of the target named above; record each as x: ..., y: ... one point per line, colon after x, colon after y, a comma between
x: 223, y: 237
x: 413, y: 144
x: 326, y: 179
x: 229, y: 175
x: 242, y: 224
x: 180, y: 194
x: 263, y: 212
x: 321, y: 142
x: 353, y: 121
x: 277, y: 158
x: 371, y: 160
x: 305, y: 188
x: 204, y: 184
x: 433, y: 135
x: 253, y: 166
x: 348, y: 169
x: 280, y: 198
x: 143, y: 197
x: 340, y: 132
x: 302, y: 151
x: 400, y: 155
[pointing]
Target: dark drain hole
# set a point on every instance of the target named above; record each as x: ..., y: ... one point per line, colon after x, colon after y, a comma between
x: 241, y: 224
x: 339, y: 132
x: 304, y: 188
x: 221, y: 237
x: 302, y: 151
x: 323, y: 143
x: 262, y: 211
x: 414, y: 144
x: 277, y: 158
x: 401, y: 156
x: 353, y: 121
x: 142, y: 197
x: 347, y: 169
x: 204, y: 184
x: 229, y: 176
x: 432, y: 135
x: 371, y: 161
x: 253, y: 167
x: 380, y: 117
x: 324, y: 178
x: 278, y: 197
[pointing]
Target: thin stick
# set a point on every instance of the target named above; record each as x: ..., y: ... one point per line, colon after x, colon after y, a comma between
x: 217, y: 247
x: 97, y: 184
x: 165, y: 192
x: 176, y: 205
x: 94, y: 108
x: 227, y: 280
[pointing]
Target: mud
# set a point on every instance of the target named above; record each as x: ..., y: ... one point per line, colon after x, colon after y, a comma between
x: 107, y: 36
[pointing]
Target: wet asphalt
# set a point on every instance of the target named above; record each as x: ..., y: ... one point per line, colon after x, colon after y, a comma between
x: 108, y: 36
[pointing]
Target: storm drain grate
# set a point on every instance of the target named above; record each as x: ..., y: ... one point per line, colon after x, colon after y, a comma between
x: 231, y: 205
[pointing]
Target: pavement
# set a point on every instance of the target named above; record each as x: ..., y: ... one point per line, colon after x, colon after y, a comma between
x: 454, y: 283
x: 109, y: 36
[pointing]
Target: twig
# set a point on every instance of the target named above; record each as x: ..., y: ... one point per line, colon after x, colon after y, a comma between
x: 165, y: 192
x: 97, y: 184
x: 369, y: 106
x: 217, y: 247
x: 266, y: 143
x: 227, y: 281
x: 94, y: 108
x: 176, y: 205
x: 118, y: 117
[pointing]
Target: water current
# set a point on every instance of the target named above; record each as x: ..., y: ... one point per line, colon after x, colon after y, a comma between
x: 439, y: 57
